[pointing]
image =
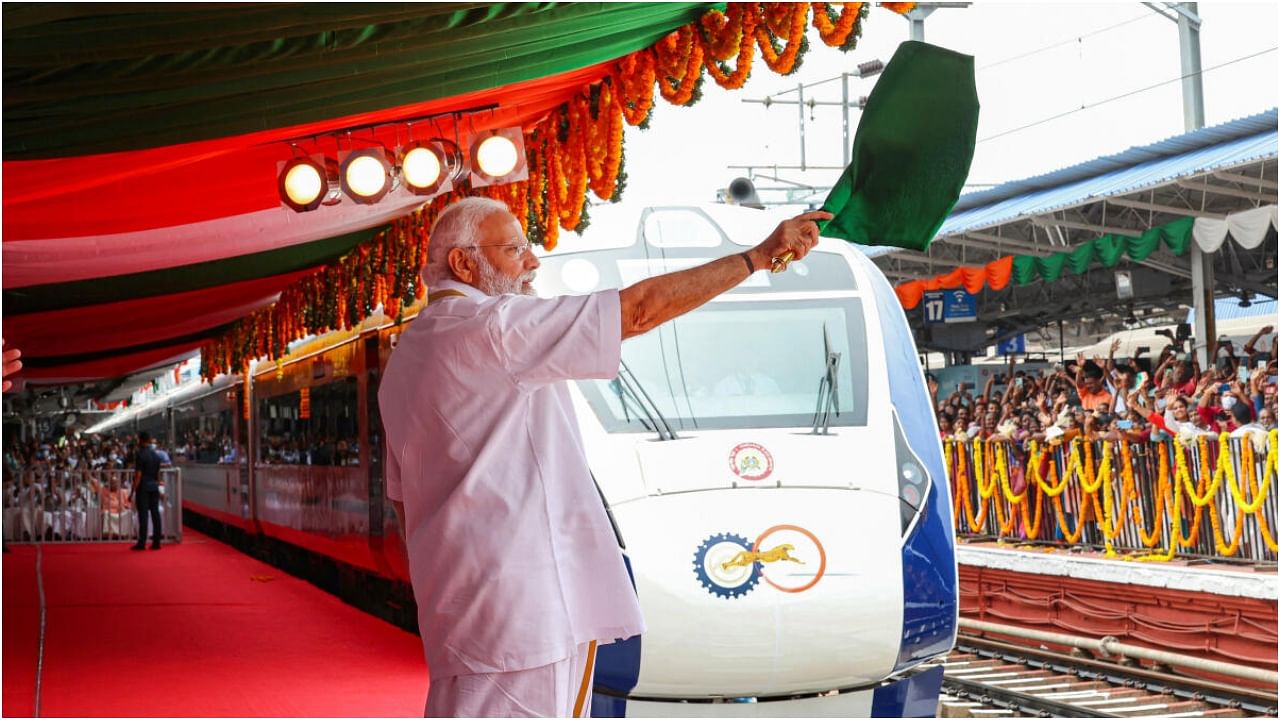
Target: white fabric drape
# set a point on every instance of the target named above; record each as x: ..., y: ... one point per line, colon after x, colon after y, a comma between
x: 1248, y: 228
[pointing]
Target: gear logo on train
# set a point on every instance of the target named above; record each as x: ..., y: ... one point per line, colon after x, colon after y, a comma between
x: 751, y: 461
x: 788, y: 558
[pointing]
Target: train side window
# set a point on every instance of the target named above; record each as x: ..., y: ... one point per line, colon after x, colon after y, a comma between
x: 202, y: 431
x: 312, y: 426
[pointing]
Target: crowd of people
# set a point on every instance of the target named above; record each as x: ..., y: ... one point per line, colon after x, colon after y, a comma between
x: 1135, y: 399
x: 70, y: 489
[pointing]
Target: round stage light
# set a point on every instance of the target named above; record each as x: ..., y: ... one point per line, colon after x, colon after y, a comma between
x: 422, y: 169
x: 497, y: 156
x: 302, y: 184
x: 366, y: 175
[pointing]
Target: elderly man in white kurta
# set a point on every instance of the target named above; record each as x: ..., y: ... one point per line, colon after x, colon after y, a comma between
x: 515, y: 568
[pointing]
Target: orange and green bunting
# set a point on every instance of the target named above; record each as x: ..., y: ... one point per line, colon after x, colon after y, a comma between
x: 1107, y: 251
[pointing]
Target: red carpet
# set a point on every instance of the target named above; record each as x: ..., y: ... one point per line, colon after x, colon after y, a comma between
x: 196, y: 629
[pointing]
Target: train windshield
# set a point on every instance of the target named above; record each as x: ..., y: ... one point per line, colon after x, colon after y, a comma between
x: 744, y: 364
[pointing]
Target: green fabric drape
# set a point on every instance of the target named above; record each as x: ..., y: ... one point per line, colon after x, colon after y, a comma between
x: 1107, y: 250
x: 1024, y: 269
x: 90, y: 78
x: 912, y: 151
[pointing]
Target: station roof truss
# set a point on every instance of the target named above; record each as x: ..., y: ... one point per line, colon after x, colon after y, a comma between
x: 1206, y: 173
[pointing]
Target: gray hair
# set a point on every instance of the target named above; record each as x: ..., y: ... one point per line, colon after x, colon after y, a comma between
x: 457, y: 226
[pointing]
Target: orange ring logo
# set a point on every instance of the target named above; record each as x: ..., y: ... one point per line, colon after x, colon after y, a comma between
x: 822, y: 556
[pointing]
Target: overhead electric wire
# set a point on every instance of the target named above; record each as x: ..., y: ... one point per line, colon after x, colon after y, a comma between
x: 1068, y: 41
x: 1125, y: 95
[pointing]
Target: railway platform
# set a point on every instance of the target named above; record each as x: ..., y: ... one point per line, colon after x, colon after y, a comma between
x: 196, y: 629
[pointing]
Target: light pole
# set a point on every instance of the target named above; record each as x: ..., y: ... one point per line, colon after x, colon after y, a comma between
x: 1187, y: 17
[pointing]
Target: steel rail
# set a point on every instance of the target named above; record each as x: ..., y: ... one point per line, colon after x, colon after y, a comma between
x: 1191, y: 688
x: 1013, y: 700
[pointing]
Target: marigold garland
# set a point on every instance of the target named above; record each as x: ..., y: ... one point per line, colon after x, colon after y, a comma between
x: 844, y: 28
x: 1112, y: 492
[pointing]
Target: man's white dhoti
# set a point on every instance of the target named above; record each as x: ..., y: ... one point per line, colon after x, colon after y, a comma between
x: 561, y: 689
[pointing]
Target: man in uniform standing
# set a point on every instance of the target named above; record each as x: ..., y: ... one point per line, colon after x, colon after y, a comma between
x: 146, y: 488
x: 515, y: 567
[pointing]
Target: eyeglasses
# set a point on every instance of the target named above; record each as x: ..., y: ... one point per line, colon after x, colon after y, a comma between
x: 513, y: 250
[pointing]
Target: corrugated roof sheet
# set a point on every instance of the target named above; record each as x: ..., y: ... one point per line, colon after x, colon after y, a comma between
x: 1225, y: 145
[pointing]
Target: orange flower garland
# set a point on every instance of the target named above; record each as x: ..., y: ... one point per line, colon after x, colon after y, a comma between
x: 726, y: 35
x: 782, y: 20
x: 837, y: 33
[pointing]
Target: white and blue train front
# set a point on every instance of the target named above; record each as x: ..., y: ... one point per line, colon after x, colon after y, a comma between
x: 773, y: 470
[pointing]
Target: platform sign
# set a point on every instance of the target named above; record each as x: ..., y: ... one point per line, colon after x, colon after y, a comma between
x: 959, y: 307
x: 933, y: 305
x: 1013, y: 346
x: 949, y: 306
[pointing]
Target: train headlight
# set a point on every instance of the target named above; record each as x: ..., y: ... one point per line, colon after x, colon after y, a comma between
x: 913, y: 481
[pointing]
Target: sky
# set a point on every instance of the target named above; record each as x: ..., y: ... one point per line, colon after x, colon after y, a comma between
x: 1033, y: 61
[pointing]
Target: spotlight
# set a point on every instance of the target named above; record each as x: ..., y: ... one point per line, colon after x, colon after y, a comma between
x: 497, y: 156
x: 303, y: 182
x: 366, y: 175
x: 429, y: 168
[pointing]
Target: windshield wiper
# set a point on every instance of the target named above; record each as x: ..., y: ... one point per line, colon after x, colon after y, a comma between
x: 828, y: 388
x: 631, y: 384
x: 627, y: 398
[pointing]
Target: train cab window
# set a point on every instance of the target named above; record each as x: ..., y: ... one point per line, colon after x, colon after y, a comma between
x: 312, y: 426
x: 680, y: 227
x: 744, y: 365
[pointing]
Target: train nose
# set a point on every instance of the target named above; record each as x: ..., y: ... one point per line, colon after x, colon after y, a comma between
x: 765, y: 591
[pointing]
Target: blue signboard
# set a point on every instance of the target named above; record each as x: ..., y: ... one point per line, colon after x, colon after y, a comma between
x: 949, y: 306
x: 1012, y: 346
x: 960, y: 307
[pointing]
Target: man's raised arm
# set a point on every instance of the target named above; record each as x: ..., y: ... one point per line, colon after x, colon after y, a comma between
x: 655, y: 300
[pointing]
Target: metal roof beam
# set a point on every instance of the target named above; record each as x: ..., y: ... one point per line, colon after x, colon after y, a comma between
x: 1231, y: 192
x: 1104, y: 229
x: 1004, y: 245
x: 1246, y: 180
x: 1157, y: 207
x: 923, y: 260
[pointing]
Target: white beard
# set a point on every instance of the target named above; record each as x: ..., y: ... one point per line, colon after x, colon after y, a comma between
x: 492, y: 282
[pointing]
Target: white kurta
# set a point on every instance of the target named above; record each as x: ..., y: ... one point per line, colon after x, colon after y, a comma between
x: 513, y: 560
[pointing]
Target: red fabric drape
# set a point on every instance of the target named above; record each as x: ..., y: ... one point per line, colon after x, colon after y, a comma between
x: 195, y: 182
x: 113, y: 366
x: 95, y: 328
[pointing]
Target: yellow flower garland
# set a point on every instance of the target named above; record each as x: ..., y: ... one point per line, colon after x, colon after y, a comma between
x: 1119, y: 499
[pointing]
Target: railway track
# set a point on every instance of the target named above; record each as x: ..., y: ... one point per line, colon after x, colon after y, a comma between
x: 990, y: 679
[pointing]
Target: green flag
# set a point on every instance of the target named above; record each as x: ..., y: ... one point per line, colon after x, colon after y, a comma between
x: 912, y: 151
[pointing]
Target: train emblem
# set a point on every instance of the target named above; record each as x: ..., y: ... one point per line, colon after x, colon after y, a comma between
x: 751, y: 461
x: 788, y: 558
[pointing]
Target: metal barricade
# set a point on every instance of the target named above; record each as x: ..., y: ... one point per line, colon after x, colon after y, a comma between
x: 54, y: 505
x: 1206, y: 497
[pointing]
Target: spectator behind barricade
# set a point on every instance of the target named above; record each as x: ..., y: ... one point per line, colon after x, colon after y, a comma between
x: 1090, y: 386
x: 1244, y: 425
x: 1254, y: 355
x: 114, y: 503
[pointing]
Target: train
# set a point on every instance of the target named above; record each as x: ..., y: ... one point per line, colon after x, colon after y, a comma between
x: 770, y: 464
